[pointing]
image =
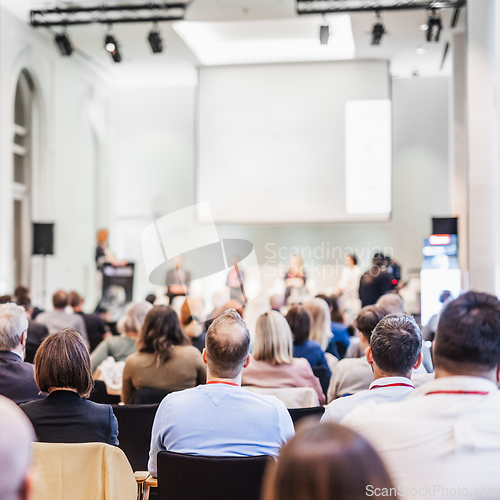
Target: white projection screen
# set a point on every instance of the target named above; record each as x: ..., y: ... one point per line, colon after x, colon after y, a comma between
x: 295, y: 143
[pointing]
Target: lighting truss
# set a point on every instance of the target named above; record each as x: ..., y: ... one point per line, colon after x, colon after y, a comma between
x: 331, y: 6
x: 109, y: 14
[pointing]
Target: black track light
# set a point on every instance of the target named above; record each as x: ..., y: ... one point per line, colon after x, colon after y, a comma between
x: 435, y: 26
x: 63, y: 44
x: 155, y: 40
x: 111, y: 45
x: 324, y: 32
x: 378, y: 31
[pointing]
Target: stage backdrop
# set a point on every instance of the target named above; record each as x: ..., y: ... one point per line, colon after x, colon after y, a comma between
x: 295, y: 143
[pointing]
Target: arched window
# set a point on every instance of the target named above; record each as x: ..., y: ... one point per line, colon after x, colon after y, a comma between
x: 21, y: 150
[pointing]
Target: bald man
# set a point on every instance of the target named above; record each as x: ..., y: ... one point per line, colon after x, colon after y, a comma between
x: 220, y: 418
x: 16, y: 436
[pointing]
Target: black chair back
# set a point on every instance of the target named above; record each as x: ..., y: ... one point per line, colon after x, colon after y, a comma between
x: 100, y: 394
x: 195, y: 477
x: 324, y: 375
x: 300, y: 413
x: 134, y: 424
x: 148, y: 396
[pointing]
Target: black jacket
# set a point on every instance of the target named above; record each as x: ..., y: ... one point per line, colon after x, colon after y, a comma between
x: 65, y: 417
x: 36, y: 334
x: 17, y: 381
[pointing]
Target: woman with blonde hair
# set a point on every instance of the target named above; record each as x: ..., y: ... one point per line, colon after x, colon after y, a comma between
x: 272, y: 363
x: 120, y: 347
x: 321, y: 325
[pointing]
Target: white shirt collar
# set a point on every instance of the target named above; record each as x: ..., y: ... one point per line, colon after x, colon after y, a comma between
x: 391, y: 382
x: 457, y: 385
x: 15, y: 352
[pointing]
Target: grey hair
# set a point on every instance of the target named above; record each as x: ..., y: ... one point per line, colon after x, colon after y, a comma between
x: 392, y: 303
x: 133, y: 317
x: 396, y: 344
x: 13, y: 322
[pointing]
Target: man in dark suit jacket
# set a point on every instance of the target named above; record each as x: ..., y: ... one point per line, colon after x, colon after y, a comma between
x: 95, y: 325
x: 17, y: 381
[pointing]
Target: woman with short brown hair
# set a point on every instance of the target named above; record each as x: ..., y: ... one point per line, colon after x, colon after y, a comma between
x: 165, y: 359
x: 62, y: 369
x: 327, y: 462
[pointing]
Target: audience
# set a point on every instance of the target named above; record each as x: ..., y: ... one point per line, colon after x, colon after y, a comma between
x: 36, y: 331
x: 300, y: 323
x: 120, y: 347
x: 17, y: 380
x: 58, y: 319
x: 354, y: 375
x: 327, y: 462
x: 16, y: 436
x: 394, y: 351
x: 165, y: 358
x: 375, y: 282
x: 446, y: 433
x: 94, y: 324
x: 192, y: 320
x: 62, y: 369
x: 220, y: 418
x: 339, y: 329
x: 272, y: 363
x: 321, y: 326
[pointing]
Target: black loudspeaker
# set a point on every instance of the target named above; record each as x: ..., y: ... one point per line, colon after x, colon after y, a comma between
x: 445, y: 225
x: 43, y: 238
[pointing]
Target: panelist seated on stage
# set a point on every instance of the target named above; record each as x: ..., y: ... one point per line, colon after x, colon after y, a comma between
x: 220, y: 418
x: 394, y: 351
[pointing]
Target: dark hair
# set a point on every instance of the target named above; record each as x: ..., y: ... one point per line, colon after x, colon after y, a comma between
x: 325, y: 462
x: 368, y: 318
x: 160, y: 331
x: 62, y: 360
x: 24, y: 301
x: 396, y: 344
x: 300, y: 323
x: 151, y: 298
x: 60, y: 299
x: 73, y: 299
x: 378, y: 259
x: 336, y: 314
x: 5, y: 299
x: 353, y: 257
x: 468, y: 334
x: 228, y: 344
x: 21, y: 291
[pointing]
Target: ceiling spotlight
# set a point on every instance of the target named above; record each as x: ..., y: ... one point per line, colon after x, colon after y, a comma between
x: 378, y: 31
x: 420, y: 50
x: 324, y: 33
x: 155, y: 40
x: 63, y: 44
x: 435, y: 26
x: 111, y: 46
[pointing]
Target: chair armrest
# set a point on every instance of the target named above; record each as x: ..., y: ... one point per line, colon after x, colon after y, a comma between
x: 141, y: 476
x: 152, y: 482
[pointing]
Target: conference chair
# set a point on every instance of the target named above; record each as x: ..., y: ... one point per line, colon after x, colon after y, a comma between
x: 63, y: 471
x: 298, y: 414
x: 324, y: 376
x: 100, y: 394
x: 135, y: 423
x: 292, y: 397
x: 196, y: 477
x: 149, y: 396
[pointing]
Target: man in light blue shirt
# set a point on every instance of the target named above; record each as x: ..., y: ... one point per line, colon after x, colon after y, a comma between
x: 220, y: 418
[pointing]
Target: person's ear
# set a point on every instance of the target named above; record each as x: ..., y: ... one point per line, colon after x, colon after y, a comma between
x: 204, y: 356
x: 24, y: 336
x: 247, y: 361
x: 369, y: 356
x: 419, y: 361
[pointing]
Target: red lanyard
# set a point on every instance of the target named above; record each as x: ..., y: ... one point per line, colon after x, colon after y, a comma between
x: 222, y: 382
x: 478, y: 393
x: 392, y: 385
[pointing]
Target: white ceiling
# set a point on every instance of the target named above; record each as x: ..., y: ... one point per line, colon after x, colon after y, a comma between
x: 176, y: 65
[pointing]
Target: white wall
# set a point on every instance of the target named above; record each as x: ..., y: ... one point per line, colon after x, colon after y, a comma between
x: 154, y: 164
x: 63, y: 174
